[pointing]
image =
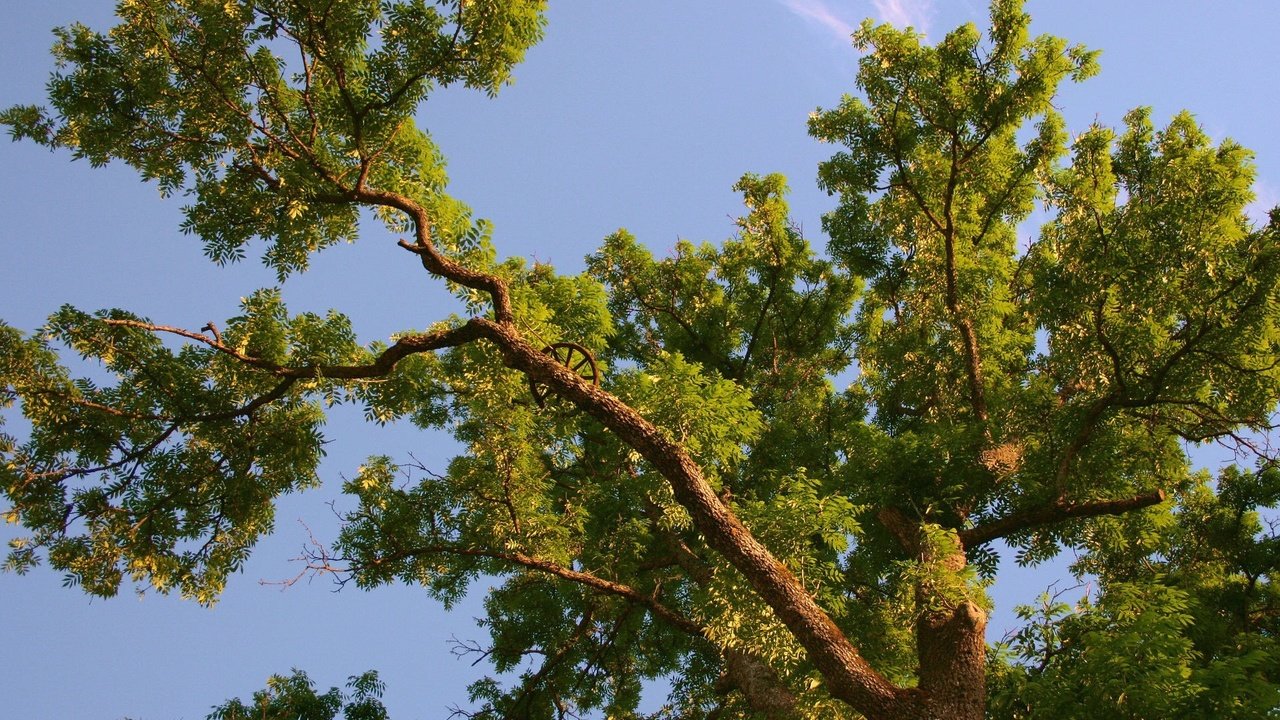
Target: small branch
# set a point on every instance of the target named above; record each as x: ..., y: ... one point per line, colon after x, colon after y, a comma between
x: 126, y: 457
x: 462, y: 648
x: 755, y: 331
x: 583, y: 578
x: 211, y: 328
x: 1092, y: 417
x: 382, y: 365
x: 584, y: 629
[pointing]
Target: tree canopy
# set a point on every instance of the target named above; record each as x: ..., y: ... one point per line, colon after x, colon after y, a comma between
x: 771, y: 475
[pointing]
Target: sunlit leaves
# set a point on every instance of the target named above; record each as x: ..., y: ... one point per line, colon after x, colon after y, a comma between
x: 295, y: 698
x: 1153, y: 282
x: 1184, y: 592
x: 937, y: 170
x: 1124, y: 658
x: 163, y: 465
x: 269, y: 115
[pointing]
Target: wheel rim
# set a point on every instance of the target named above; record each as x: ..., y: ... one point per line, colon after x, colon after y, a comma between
x: 573, y: 356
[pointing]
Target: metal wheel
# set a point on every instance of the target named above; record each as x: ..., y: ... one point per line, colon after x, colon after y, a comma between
x: 578, y: 359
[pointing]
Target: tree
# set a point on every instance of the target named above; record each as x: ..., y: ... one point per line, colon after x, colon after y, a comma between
x: 295, y: 698
x: 658, y: 464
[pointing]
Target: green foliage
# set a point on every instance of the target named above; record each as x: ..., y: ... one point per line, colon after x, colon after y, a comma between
x: 199, y: 97
x: 1126, y: 658
x: 295, y: 698
x: 167, y: 474
x: 1041, y: 391
x: 1182, y: 626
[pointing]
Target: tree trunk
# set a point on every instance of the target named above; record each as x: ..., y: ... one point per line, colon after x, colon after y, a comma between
x: 951, y: 643
x: 952, y: 650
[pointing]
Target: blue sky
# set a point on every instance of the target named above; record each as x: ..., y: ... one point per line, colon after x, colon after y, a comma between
x: 637, y: 115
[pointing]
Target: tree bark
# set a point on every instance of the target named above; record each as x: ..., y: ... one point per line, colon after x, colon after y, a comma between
x: 952, y: 650
x: 760, y: 685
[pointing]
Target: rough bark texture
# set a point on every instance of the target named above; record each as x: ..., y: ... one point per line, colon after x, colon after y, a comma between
x: 952, y: 648
x: 1054, y: 513
x: 760, y: 685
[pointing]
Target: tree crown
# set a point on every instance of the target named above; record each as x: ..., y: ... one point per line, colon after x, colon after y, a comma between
x: 658, y: 463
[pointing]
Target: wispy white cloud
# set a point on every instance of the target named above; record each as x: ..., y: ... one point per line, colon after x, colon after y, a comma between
x: 901, y: 13
x: 840, y: 17
x: 821, y: 14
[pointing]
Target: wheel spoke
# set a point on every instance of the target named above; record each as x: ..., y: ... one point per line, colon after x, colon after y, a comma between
x: 565, y: 354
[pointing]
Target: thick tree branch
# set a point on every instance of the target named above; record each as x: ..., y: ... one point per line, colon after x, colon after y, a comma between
x: 1055, y: 513
x: 849, y: 676
x: 758, y: 682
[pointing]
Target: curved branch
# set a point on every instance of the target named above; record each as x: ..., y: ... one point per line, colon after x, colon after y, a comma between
x: 432, y: 259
